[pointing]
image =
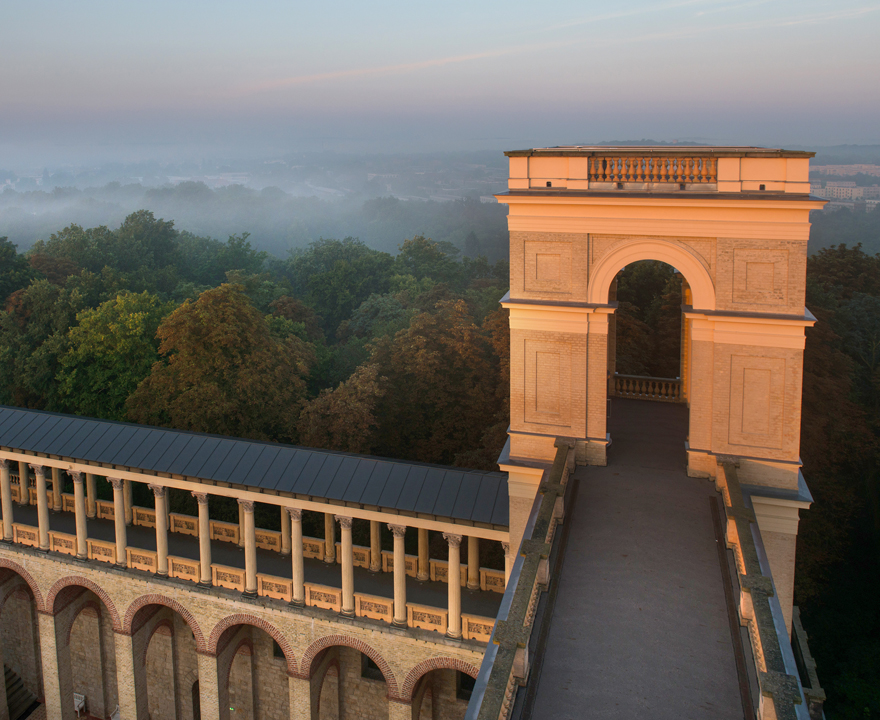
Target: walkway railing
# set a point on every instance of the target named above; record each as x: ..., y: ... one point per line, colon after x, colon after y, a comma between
x: 653, y: 169
x: 780, y: 690
x: 647, y: 388
x: 506, y: 663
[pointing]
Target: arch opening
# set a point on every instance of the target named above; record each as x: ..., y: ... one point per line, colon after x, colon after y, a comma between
x: 166, y: 662
x: 19, y: 644
x: 253, y: 674
x: 346, y: 682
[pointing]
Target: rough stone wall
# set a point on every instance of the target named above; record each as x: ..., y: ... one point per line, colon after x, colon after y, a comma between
x: 19, y: 636
x: 444, y: 700
x: 160, y: 676
x: 329, y: 703
x: 361, y: 697
x: 93, y: 660
x: 241, y: 700
x: 186, y: 666
x: 271, y: 680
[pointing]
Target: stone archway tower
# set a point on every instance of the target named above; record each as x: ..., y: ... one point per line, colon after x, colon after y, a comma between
x: 735, y: 223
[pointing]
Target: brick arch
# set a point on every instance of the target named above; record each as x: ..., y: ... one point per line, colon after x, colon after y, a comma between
x: 28, y: 578
x: 87, y: 605
x: 145, y: 600
x: 434, y: 663
x: 76, y: 580
x: 331, y: 640
x: 267, y: 627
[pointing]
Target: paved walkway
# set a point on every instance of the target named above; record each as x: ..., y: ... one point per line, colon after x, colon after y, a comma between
x: 435, y: 594
x: 640, y: 627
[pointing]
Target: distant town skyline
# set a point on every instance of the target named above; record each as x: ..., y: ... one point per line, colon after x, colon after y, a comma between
x: 136, y: 81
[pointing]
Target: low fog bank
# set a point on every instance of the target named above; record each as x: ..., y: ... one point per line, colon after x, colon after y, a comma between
x: 283, y: 203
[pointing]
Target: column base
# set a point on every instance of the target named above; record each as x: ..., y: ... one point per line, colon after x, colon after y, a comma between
x: 7, y: 541
x: 347, y: 613
x: 476, y: 586
x: 453, y: 637
x: 162, y: 574
x: 43, y: 549
x: 399, y: 624
x: 377, y: 569
x: 122, y: 565
x: 82, y: 559
x: 423, y: 578
x: 330, y: 561
x: 205, y: 583
x: 297, y: 603
x: 249, y: 594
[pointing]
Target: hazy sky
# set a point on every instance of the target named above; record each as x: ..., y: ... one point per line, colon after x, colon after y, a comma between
x: 150, y: 78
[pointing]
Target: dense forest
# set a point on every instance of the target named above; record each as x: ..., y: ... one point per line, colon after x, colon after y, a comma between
x: 406, y: 355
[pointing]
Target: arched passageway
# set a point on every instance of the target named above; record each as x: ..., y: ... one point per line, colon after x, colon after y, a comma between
x: 442, y: 694
x: 252, y: 671
x: 19, y: 646
x: 85, y: 644
x: 346, y: 682
x: 165, y: 663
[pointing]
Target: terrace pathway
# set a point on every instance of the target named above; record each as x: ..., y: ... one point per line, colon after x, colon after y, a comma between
x: 640, y: 627
x: 435, y: 594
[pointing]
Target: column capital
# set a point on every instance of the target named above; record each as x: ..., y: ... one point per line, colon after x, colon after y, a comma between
x: 453, y: 540
x: 38, y: 469
x: 247, y: 505
x: 201, y: 498
x: 344, y: 522
x: 115, y: 482
x: 296, y: 514
x: 158, y: 490
x: 397, y: 530
x: 76, y: 476
x: 4, y: 464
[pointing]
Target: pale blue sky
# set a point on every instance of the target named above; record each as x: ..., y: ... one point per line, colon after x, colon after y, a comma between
x: 393, y: 76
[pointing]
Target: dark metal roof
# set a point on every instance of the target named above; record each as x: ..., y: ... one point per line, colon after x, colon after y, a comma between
x: 469, y: 495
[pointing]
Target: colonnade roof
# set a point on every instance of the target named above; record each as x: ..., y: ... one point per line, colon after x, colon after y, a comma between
x: 469, y: 495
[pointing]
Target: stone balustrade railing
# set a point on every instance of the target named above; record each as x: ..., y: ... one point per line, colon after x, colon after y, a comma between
x: 653, y: 169
x: 781, y: 695
x: 647, y: 388
x: 505, y: 666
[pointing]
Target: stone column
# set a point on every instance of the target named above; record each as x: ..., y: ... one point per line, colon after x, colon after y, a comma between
x: 161, y: 530
x: 209, y: 690
x: 250, y: 548
x: 424, y: 571
x: 329, y: 539
x: 57, y: 502
x: 52, y: 679
x: 296, y: 556
x: 6, y: 500
x: 347, y: 566
x: 119, y: 521
x: 204, y: 540
x: 42, y: 506
x: 285, y: 532
x: 473, y: 566
x: 453, y: 582
x: 240, y: 526
x: 23, y: 493
x: 91, y: 496
x: 508, y: 562
x: 399, y: 531
x: 131, y: 676
x: 79, y: 508
x: 126, y: 495
x: 375, y: 546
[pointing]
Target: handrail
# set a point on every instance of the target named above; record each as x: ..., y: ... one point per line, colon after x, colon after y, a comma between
x: 781, y: 693
x: 653, y: 169
x: 506, y: 663
x: 643, y: 387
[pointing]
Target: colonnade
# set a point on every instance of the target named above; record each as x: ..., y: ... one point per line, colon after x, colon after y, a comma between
x: 84, y: 485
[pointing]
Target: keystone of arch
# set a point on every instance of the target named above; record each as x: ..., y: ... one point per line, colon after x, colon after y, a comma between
x: 677, y: 254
